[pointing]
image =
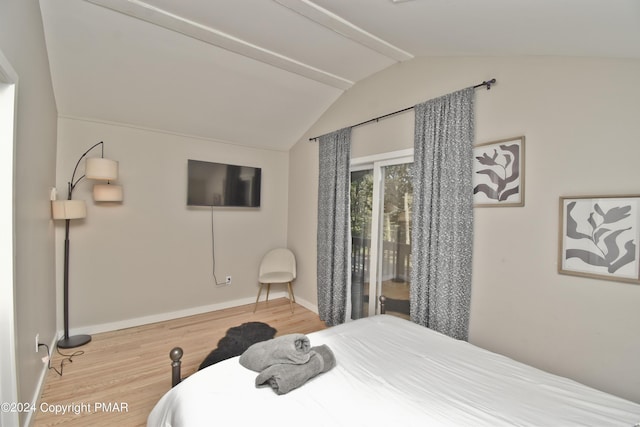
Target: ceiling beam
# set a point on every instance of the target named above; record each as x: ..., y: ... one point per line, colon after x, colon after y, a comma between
x: 146, y: 12
x: 345, y: 28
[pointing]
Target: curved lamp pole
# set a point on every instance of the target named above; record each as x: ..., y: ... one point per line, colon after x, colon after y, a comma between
x: 97, y: 168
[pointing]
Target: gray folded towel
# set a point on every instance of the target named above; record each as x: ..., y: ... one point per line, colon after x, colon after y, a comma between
x: 292, y: 348
x: 283, y: 378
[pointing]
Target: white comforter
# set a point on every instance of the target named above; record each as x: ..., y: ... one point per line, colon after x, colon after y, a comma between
x: 393, y: 372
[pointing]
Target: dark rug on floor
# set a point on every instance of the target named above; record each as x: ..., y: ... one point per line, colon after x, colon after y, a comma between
x: 237, y: 340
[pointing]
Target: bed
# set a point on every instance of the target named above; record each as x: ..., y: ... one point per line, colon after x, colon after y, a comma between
x: 394, y: 372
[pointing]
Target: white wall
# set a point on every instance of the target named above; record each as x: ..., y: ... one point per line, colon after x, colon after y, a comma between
x: 22, y: 43
x: 151, y: 256
x: 580, y: 119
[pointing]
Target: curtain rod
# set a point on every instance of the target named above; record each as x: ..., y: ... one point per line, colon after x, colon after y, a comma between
x: 486, y: 83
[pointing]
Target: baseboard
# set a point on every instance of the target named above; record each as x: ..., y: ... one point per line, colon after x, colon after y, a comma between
x: 161, y: 317
x: 40, y: 384
x: 306, y: 304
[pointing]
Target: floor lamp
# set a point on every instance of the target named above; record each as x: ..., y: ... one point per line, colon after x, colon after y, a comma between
x: 96, y: 168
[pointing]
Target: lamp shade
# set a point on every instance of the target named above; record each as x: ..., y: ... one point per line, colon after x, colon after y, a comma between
x: 107, y: 193
x: 101, y: 169
x: 68, y: 209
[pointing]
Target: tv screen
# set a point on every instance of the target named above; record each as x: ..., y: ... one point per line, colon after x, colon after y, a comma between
x: 219, y: 184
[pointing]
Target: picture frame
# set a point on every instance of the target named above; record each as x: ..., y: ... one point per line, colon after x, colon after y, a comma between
x: 498, y: 173
x: 598, y: 237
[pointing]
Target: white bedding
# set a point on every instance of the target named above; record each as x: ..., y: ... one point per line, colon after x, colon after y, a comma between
x: 393, y: 372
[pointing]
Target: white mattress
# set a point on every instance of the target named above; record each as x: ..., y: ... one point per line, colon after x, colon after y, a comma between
x: 393, y: 372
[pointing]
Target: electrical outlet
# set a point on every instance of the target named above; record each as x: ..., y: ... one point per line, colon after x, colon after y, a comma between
x: 37, y: 342
x: 228, y: 281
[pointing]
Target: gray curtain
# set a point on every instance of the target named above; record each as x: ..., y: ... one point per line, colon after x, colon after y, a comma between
x: 442, y: 218
x: 333, y: 226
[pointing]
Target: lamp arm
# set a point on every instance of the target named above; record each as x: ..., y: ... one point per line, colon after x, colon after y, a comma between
x: 73, y: 184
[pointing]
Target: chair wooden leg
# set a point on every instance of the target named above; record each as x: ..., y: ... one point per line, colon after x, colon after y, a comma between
x: 291, y: 297
x: 257, y: 298
x: 291, y: 292
x: 268, y: 289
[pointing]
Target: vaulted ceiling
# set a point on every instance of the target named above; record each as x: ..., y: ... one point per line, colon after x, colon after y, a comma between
x: 261, y: 72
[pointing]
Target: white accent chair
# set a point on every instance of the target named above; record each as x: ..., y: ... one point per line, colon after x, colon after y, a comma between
x: 277, y: 266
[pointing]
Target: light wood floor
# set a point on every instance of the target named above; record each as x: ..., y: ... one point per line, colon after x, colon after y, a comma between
x: 132, y: 366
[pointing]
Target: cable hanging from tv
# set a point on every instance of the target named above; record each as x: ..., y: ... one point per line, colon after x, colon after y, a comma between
x: 486, y: 83
x: 213, y: 252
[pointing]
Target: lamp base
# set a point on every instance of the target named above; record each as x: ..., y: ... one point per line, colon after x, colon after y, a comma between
x: 74, y: 341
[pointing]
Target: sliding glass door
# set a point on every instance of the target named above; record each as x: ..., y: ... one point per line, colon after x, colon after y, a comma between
x: 361, y: 205
x: 381, y: 196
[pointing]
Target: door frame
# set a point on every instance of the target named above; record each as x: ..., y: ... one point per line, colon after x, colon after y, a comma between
x: 8, y: 364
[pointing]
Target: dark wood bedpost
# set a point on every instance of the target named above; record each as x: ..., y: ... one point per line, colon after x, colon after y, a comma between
x: 383, y: 309
x: 175, y: 355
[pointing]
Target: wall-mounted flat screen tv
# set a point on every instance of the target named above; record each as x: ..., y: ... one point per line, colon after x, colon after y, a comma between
x: 219, y: 184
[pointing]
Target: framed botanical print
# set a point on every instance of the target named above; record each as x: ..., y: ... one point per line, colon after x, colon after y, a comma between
x: 599, y: 237
x: 498, y: 173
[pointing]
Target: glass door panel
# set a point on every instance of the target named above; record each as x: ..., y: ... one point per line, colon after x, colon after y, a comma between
x: 395, y: 237
x: 381, y: 198
x: 361, y: 205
